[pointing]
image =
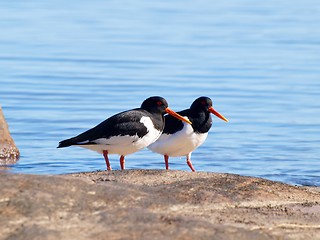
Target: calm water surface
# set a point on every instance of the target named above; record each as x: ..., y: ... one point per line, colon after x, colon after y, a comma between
x: 68, y: 65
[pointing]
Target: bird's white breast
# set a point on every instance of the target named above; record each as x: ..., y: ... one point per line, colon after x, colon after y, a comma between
x: 180, y: 143
x: 124, y: 145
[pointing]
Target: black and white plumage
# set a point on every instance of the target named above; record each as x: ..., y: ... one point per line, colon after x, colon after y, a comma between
x: 126, y: 132
x: 179, y: 139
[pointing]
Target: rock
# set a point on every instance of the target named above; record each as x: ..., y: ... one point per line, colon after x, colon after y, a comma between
x: 155, y: 204
x: 9, y: 153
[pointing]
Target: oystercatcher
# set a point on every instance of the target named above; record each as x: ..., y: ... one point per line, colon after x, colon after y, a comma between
x: 179, y: 139
x: 126, y: 132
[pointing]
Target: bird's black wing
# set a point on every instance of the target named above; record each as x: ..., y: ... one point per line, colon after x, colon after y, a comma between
x: 124, y: 123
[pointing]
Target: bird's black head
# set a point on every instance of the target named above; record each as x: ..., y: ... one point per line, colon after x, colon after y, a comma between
x: 205, y: 104
x: 201, y: 103
x: 155, y: 105
x: 158, y: 105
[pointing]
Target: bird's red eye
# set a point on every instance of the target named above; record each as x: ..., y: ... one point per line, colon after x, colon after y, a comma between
x: 203, y: 103
x: 159, y: 103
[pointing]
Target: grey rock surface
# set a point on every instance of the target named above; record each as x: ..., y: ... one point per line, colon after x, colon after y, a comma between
x: 9, y: 153
x: 155, y: 204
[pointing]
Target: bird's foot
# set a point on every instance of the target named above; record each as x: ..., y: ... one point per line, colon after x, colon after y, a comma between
x: 190, y: 165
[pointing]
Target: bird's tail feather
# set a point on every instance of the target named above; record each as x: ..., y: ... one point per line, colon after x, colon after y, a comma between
x: 66, y: 143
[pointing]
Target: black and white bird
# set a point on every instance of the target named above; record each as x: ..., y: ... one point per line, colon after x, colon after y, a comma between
x: 126, y: 132
x: 180, y: 139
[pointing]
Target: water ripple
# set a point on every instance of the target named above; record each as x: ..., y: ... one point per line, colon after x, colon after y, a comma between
x: 66, y: 67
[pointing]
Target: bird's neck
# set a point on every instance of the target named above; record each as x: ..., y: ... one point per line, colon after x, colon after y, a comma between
x: 158, y: 121
x: 201, y: 121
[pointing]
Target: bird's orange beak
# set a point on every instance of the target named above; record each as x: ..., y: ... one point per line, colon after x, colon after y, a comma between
x: 176, y: 115
x: 212, y: 110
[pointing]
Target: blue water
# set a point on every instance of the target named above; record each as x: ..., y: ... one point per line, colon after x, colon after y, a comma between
x: 68, y: 65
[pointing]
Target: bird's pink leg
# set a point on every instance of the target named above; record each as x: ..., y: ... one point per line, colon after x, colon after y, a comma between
x: 190, y: 163
x: 122, y: 161
x: 105, y: 155
x: 166, y: 161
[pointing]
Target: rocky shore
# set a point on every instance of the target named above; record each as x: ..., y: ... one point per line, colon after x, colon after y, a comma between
x: 155, y: 204
x: 9, y: 153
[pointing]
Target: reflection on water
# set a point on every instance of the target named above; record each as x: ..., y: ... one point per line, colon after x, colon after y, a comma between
x: 5, y: 168
x: 66, y: 66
